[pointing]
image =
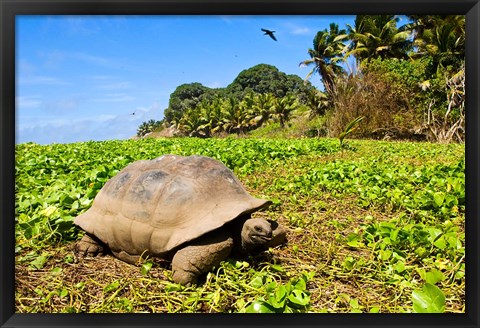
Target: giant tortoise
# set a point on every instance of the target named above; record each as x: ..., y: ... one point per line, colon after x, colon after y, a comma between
x: 190, y: 210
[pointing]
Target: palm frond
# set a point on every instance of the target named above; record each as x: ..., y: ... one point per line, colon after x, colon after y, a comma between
x: 352, y: 126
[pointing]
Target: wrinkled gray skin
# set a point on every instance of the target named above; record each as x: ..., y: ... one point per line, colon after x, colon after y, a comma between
x: 241, y: 237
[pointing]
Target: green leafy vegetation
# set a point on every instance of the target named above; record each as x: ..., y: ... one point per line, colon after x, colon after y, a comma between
x: 291, y: 297
x: 373, y: 227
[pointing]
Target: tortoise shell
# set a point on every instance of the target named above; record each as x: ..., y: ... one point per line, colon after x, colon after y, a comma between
x: 157, y: 205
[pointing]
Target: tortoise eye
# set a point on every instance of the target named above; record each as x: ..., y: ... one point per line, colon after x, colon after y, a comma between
x: 258, y: 229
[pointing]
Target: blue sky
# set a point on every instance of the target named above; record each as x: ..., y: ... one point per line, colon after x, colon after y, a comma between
x: 79, y: 78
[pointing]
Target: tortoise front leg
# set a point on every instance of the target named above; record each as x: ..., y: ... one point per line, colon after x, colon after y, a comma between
x: 200, y: 256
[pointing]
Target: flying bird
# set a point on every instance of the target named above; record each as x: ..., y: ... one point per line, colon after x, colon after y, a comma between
x: 269, y: 33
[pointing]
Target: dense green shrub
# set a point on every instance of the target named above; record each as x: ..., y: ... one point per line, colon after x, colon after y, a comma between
x: 417, y: 80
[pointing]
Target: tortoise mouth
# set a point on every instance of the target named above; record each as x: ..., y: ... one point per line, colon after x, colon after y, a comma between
x: 261, y: 239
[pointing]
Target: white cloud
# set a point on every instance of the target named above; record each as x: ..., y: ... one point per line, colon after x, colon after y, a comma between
x: 78, y: 25
x: 115, y: 85
x: 27, y: 75
x: 47, y: 130
x: 30, y: 102
x: 61, y: 106
x: 53, y: 58
x: 214, y: 84
x: 101, y: 77
x: 97, y: 60
x: 105, y: 117
x: 114, y: 97
x: 108, y: 82
x: 40, y: 80
x: 227, y: 19
x: 301, y: 31
x: 25, y: 67
x: 297, y: 30
x: 105, y: 62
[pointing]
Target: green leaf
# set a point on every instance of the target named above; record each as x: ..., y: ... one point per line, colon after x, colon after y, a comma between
x: 299, y: 298
x: 146, y: 267
x: 49, y: 211
x: 276, y: 267
x: 385, y: 254
x: 307, y: 276
x: 171, y: 287
x: 63, y: 293
x: 56, y: 271
x: 112, y: 286
x: 441, y: 243
x: 461, y: 273
x: 238, y: 264
x: 348, y: 263
x: 399, y: 266
x: 351, y: 126
x: 295, y: 249
x: 301, y: 285
x: 259, y: 306
x: 39, y: 262
x: 434, y: 276
x: 277, y: 299
x: 453, y: 240
x: 80, y: 285
x: 434, y: 233
x: 430, y: 299
x: 271, y: 286
x: 354, y: 240
x: 66, y: 200
x: 438, y: 198
x: 69, y: 258
x: 374, y: 309
x: 421, y: 251
x: 257, y: 281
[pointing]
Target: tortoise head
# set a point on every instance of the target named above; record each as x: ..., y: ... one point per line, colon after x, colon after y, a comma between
x: 256, y: 233
x: 252, y: 235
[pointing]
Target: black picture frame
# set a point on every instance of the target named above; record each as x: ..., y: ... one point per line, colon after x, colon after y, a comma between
x: 10, y: 8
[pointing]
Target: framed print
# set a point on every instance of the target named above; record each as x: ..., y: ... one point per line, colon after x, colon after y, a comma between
x: 211, y: 163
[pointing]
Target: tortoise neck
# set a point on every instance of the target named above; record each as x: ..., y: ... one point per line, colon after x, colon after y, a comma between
x: 241, y: 246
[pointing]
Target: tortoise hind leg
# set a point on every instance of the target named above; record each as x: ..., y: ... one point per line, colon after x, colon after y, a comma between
x: 200, y: 256
x: 126, y: 257
x: 89, y: 245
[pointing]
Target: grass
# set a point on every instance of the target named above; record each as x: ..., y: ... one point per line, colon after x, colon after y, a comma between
x: 368, y: 226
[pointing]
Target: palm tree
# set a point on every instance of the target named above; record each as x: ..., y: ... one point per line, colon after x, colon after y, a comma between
x: 440, y: 37
x: 326, y: 54
x: 283, y: 108
x: 190, y: 121
x: 261, y: 108
x: 207, y: 119
x: 147, y: 127
x: 376, y: 36
x: 235, y: 116
x: 317, y: 101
